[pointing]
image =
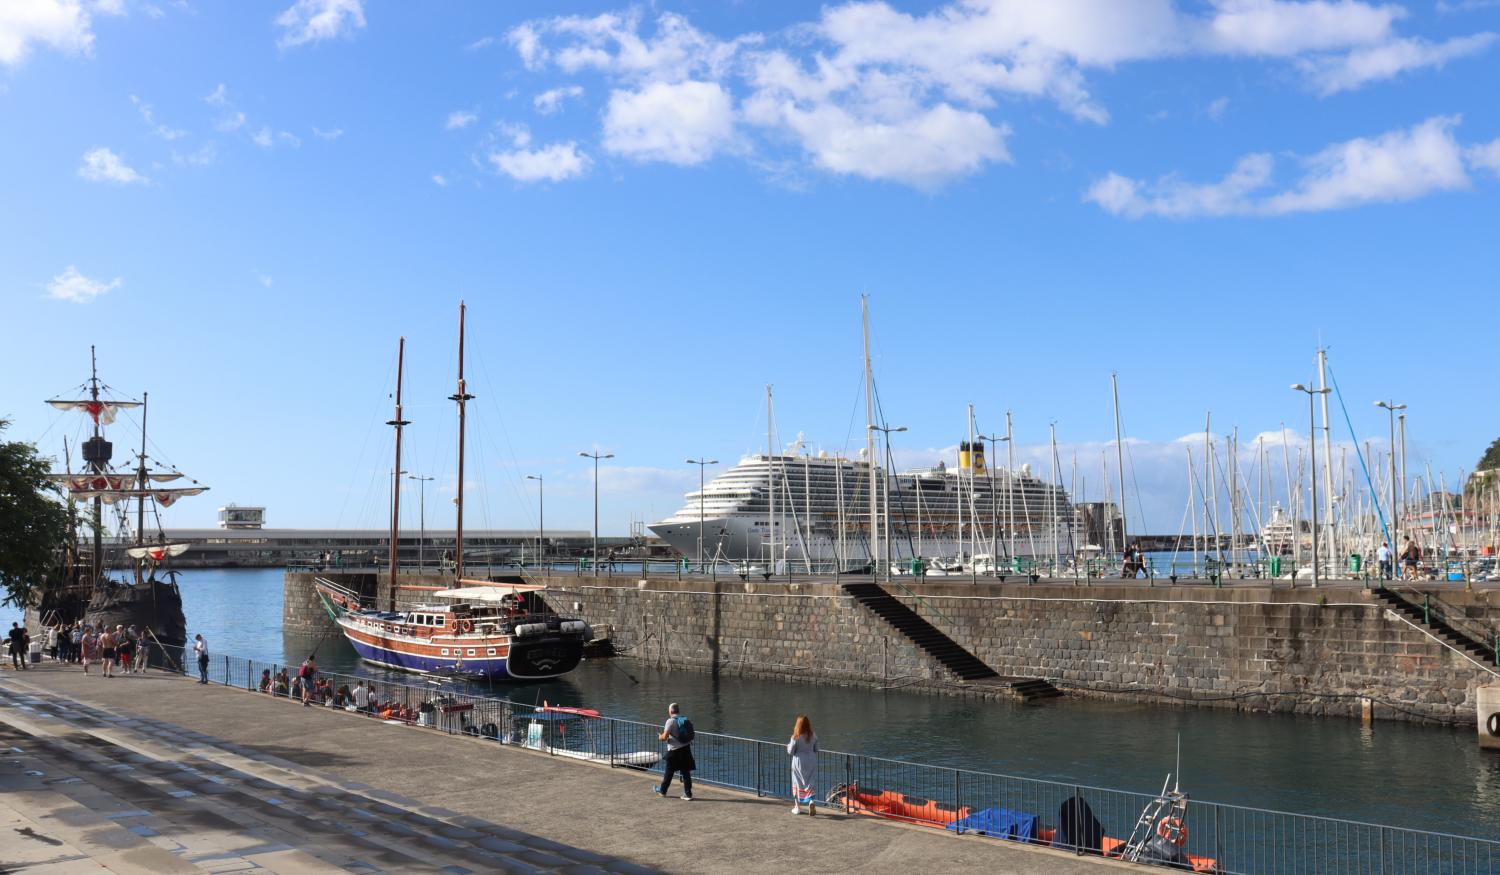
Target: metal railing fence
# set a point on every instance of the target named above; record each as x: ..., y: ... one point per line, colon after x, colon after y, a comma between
x: 1230, y: 839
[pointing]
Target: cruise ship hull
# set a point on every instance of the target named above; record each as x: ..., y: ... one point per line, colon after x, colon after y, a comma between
x: 738, y: 539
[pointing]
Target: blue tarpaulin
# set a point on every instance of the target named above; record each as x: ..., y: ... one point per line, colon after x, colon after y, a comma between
x: 999, y: 822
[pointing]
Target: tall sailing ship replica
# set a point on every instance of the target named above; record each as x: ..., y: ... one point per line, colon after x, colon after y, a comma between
x: 480, y: 628
x: 147, y: 597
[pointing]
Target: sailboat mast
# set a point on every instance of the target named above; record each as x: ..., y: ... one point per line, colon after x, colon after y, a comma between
x: 462, y: 396
x: 1010, y: 484
x: 770, y: 480
x: 140, y: 500
x: 864, y: 312
x: 398, y: 423
x: 1114, y: 385
x: 1328, y: 493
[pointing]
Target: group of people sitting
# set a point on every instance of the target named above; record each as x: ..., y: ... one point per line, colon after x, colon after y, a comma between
x: 311, y: 689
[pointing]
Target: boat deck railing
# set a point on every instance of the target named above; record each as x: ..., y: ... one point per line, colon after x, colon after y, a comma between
x: 1218, y: 837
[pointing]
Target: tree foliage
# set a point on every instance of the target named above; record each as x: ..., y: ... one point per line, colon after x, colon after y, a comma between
x: 1491, y: 457
x: 33, y: 522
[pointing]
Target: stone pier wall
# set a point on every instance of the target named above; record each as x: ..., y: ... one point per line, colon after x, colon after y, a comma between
x: 1254, y: 648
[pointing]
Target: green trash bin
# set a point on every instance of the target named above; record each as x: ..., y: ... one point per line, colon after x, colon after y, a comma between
x: 1275, y: 566
x: 1355, y: 563
x: 918, y: 567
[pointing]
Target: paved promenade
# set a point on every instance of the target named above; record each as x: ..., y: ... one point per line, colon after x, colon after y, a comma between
x: 158, y: 774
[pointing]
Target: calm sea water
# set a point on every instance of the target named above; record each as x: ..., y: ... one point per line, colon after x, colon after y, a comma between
x: 1422, y: 777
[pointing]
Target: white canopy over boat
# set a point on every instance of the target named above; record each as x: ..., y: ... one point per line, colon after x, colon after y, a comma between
x: 489, y: 592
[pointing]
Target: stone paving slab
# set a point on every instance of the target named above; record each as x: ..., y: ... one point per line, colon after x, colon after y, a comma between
x: 532, y: 812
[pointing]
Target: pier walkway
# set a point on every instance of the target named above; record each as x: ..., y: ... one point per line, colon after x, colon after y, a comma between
x: 155, y: 773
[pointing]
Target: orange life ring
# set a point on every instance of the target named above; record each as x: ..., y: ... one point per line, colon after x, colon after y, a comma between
x: 466, y: 625
x: 1173, y: 830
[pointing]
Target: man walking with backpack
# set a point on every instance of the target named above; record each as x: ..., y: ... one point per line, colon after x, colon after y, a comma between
x: 678, y: 733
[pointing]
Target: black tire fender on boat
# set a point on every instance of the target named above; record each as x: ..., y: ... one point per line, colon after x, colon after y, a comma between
x: 1492, y: 725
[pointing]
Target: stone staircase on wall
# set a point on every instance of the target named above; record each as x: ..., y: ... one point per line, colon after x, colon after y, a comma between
x: 1482, y: 652
x: 961, y: 663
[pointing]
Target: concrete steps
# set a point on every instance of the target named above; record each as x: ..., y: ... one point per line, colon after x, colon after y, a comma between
x: 963, y: 664
x: 1482, y: 651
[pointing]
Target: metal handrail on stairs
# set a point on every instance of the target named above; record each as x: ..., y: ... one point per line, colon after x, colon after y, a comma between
x: 1454, y: 618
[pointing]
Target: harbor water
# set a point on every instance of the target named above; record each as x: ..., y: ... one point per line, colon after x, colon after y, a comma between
x: 1395, y: 773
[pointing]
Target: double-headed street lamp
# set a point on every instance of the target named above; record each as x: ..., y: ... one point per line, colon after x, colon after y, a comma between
x: 422, y: 515
x: 1390, y: 408
x: 995, y: 440
x: 596, y: 457
x: 888, y: 430
x: 1312, y: 447
x: 541, y: 515
x: 701, y: 463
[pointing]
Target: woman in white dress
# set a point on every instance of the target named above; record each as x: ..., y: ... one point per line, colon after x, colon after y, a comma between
x: 803, y: 749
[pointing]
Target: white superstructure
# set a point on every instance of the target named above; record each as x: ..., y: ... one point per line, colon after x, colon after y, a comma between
x: 820, y: 518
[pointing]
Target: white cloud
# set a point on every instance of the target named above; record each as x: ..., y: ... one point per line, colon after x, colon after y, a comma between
x: 109, y: 7
x: 679, y: 123
x: 312, y: 21
x: 553, y: 163
x: 200, y: 157
x: 164, y: 131
x: 459, y: 119
x: 947, y: 75
x: 63, y: 25
x: 483, y: 42
x: 1217, y: 107
x: 264, y: 280
x: 1363, y: 65
x: 551, y: 101
x: 1485, y: 156
x: 232, y: 121
x: 266, y: 138
x: 70, y: 285
x: 218, y: 97
x: 327, y: 135
x: 440, y: 180
x: 1399, y: 165
x: 102, y: 165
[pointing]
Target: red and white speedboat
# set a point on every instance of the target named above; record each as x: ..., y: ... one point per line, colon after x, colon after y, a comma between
x: 487, y: 630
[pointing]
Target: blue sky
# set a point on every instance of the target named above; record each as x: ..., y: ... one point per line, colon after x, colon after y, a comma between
x: 655, y: 210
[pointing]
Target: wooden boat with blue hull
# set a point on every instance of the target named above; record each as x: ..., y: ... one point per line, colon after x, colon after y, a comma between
x: 486, y: 630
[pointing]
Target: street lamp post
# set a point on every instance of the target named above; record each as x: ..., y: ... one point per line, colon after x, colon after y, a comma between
x: 701, y: 463
x: 1391, y: 408
x: 1312, y: 448
x: 888, y: 431
x: 541, y: 516
x: 995, y: 440
x: 422, y: 516
x: 596, y: 457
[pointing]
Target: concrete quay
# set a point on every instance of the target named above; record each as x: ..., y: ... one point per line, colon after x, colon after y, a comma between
x: 156, y: 773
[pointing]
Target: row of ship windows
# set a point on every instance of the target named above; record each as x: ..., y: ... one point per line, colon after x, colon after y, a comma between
x: 459, y: 651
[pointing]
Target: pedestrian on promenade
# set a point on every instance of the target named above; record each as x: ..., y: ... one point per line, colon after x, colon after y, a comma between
x: 88, y: 647
x: 1409, y: 556
x: 76, y: 651
x: 109, y: 651
x: 50, y: 642
x: 265, y: 681
x: 200, y: 649
x: 17, y: 647
x: 678, y: 733
x: 143, y: 650
x: 281, y: 686
x: 1383, y: 558
x: 125, y: 647
x: 308, y: 674
x: 803, y: 749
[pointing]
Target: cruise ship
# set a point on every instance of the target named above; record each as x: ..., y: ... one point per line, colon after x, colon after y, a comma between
x: 800, y: 511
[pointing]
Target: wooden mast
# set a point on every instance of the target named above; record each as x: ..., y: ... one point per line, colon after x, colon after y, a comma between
x: 398, y: 423
x: 97, y: 465
x: 140, y: 500
x: 461, y: 397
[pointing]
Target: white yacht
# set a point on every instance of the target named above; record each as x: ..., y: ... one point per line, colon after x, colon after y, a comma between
x: 800, y: 511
